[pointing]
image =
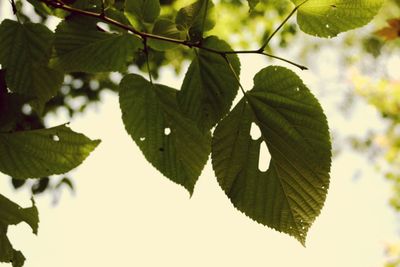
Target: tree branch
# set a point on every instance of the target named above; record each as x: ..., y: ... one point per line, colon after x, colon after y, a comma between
x: 144, y: 35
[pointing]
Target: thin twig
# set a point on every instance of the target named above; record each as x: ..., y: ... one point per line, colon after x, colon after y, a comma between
x: 144, y: 35
x: 280, y: 26
x: 235, y: 74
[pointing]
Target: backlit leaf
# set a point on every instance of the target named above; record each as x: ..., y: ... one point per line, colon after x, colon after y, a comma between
x: 80, y: 46
x: 290, y: 194
x: 328, y: 18
x: 24, y: 53
x: 144, y: 10
x: 196, y: 18
x: 40, y: 153
x: 209, y: 86
x: 170, y: 142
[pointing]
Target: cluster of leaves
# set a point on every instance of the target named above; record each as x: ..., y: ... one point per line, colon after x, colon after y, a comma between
x: 175, y: 129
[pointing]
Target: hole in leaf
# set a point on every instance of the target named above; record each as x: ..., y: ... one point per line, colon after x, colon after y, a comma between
x: 142, y: 138
x: 167, y: 131
x: 55, y: 138
x: 297, y: 89
x: 264, y: 157
x: 327, y: 26
x: 255, y: 132
x: 27, y: 109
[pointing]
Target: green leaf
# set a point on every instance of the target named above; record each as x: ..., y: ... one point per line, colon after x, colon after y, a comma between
x: 209, y: 86
x: 196, y: 18
x: 143, y: 10
x: 25, y: 52
x: 40, y: 153
x: 169, y: 141
x: 166, y: 28
x: 80, y: 46
x: 12, y: 214
x: 290, y: 194
x: 328, y: 18
x: 253, y: 4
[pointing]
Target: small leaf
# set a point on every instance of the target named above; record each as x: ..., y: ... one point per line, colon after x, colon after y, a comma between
x: 290, y: 194
x: 328, y: 18
x: 80, y: 46
x: 166, y: 28
x: 12, y: 214
x: 209, y: 86
x: 169, y: 141
x: 253, y: 4
x: 196, y: 18
x: 40, y: 153
x: 392, y: 31
x: 144, y: 10
x: 24, y: 53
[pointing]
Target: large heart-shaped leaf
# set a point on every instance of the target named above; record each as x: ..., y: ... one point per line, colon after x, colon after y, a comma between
x: 12, y: 214
x: 290, y: 194
x: 328, y: 18
x: 209, y: 86
x: 170, y: 142
x: 40, y: 153
x: 24, y: 53
x: 81, y: 46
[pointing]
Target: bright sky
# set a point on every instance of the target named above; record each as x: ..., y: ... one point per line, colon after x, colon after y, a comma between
x: 125, y: 213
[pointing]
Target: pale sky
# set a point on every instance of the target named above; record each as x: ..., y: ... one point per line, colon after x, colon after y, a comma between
x: 125, y: 213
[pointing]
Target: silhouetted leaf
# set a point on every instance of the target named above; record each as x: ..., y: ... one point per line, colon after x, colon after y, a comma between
x: 12, y: 214
x: 80, y: 46
x: 25, y: 52
x: 40, y: 153
x: 290, y: 194
x: 169, y: 141
x: 209, y: 86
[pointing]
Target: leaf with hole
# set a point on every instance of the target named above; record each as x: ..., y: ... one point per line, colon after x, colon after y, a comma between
x: 81, y: 46
x: 12, y: 214
x: 290, y: 194
x: 328, y: 18
x: 24, y: 54
x: 170, y: 142
x: 40, y: 153
x: 209, y: 86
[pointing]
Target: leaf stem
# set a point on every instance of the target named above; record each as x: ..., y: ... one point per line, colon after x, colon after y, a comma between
x: 280, y: 26
x: 144, y: 35
x: 146, y: 51
x: 234, y: 74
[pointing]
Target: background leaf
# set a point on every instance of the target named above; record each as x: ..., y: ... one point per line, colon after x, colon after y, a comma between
x: 144, y: 10
x: 290, y: 194
x: 169, y: 141
x: 40, y: 153
x: 193, y: 20
x: 24, y: 53
x: 328, y: 18
x: 209, y: 86
x: 12, y: 214
x: 80, y: 46
x: 166, y: 28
